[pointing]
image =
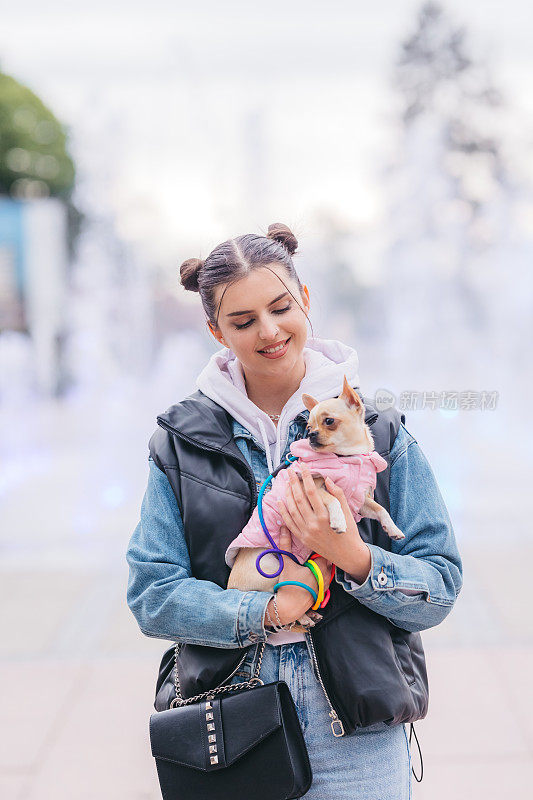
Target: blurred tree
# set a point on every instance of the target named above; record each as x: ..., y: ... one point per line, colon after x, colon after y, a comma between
x: 33, y: 158
x: 34, y: 161
x: 450, y: 195
x: 437, y: 78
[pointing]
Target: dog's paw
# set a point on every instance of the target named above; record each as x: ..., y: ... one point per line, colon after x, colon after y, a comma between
x: 337, y: 520
x: 296, y: 627
x: 307, y: 620
x: 338, y: 530
x: 389, y: 527
x: 394, y: 532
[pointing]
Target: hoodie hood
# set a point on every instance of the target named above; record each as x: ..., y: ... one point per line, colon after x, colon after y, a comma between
x: 326, y: 363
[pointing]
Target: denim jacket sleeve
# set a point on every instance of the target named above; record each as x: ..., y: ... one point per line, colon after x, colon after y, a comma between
x: 167, y: 602
x: 415, y: 584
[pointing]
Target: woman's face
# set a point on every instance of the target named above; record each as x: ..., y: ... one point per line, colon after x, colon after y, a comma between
x: 258, y: 314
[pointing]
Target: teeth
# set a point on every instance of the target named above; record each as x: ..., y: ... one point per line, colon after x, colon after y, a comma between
x: 275, y: 349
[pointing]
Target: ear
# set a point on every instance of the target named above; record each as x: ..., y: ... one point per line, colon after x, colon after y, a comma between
x: 309, y: 402
x: 351, y: 398
x: 216, y: 333
x: 306, y: 298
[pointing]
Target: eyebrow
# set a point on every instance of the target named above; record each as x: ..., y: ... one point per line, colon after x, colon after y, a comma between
x: 275, y: 300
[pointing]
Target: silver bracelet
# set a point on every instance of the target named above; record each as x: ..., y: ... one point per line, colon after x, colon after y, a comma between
x: 280, y: 626
x: 273, y: 625
x: 276, y: 628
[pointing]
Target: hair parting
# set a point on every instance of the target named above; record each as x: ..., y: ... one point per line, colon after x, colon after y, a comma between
x: 235, y: 259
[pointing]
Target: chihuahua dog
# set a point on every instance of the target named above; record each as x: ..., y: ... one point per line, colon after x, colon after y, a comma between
x: 340, y: 445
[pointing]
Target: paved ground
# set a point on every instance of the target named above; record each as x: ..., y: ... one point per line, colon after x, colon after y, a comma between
x: 77, y: 677
x: 77, y: 681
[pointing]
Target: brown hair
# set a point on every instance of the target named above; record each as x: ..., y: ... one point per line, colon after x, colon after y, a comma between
x: 236, y: 258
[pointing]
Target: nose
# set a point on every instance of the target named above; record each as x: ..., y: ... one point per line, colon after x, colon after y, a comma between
x: 268, y: 330
x: 313, y: 436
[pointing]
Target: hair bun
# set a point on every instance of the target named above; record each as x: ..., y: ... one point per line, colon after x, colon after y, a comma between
x: 282, y: 234
x: 189, y: 274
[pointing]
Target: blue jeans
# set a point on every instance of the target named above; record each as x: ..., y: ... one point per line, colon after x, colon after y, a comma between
x: 373, y: 764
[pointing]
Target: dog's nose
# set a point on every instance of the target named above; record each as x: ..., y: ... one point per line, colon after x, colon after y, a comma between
x: 313, y: 436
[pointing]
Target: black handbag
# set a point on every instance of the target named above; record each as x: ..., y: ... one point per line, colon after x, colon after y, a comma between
x: 248, y: 742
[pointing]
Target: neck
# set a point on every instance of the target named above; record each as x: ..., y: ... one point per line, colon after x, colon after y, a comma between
x: 271, y: 395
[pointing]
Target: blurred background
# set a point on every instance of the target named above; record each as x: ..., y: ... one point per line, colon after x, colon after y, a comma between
x: 396, y: 140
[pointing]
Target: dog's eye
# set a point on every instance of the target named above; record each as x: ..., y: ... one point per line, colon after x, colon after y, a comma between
x: 329, y: 421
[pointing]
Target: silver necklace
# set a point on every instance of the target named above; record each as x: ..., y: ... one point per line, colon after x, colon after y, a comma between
x: 273, y: 417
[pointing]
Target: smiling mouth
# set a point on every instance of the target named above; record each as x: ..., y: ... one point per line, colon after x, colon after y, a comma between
x: 276, y: 349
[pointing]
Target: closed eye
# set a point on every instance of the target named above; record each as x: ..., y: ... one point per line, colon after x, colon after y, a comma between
x: 276, y: 311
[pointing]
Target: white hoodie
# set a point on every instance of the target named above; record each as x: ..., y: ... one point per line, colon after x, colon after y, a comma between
x: 326, y: 363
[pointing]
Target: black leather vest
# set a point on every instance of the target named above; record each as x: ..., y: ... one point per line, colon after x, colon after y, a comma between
x: 372, y: 670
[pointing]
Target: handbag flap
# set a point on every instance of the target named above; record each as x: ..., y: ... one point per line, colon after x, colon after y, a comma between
x: 240, y: 721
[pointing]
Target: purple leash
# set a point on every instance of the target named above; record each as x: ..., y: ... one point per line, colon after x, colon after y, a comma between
x: 274, y: 549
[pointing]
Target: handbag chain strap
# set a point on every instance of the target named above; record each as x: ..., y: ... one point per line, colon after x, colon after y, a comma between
x: 179, y: 701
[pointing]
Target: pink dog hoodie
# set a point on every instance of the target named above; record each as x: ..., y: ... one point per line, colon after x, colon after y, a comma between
x: 354, y: 474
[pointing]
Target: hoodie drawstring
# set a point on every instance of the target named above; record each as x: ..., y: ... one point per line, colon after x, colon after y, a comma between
x: 261, y: 426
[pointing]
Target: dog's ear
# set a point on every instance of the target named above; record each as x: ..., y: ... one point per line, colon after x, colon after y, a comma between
x: 309, y: 402
x: 351, y: 398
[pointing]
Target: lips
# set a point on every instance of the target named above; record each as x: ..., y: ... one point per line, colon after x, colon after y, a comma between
x: 277, y: 344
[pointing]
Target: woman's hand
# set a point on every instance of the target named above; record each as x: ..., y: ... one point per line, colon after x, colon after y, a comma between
x: 306, y: 516
x: 294, y: 601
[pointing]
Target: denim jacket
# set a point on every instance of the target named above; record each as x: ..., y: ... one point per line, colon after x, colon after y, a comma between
x: 423, y: 571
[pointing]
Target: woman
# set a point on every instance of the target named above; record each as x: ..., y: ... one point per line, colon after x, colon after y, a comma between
x: 363, y: 682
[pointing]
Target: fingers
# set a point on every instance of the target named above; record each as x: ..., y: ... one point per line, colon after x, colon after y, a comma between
x: 333, y: 488
x: 337, y: 492
x: 297, y: 504
x: 311, y: 490
x: 285, y: 539
x: 298, y: 494
x: 287, y: 518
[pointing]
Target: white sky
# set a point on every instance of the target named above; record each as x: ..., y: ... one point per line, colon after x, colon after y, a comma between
x: 195, y: 122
